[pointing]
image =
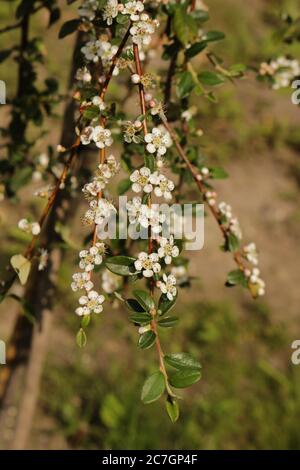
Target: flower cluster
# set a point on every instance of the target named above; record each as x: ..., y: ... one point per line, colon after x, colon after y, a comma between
x: 144, y: 180
x: 227, y: 218
x: 282, y: 71
x: 102, y: 176
x: 158, y: 141
x: 142, y: 29
x: 98, y: 134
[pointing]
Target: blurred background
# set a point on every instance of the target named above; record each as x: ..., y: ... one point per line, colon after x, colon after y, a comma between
x: 249, y: 396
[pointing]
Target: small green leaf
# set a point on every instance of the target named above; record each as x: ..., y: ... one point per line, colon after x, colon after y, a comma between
x: 140, y: 318
x: 195, y: 49
x: 168, y: 322
x: 150, y: 161
x: 22, y: 267
x: 184, y: 25
x: 121, y: 265
x: 185, y: 84
x: 210, y: 78
x: 182, y: 361
x: 134, y: 306
x: 236, y: 277
x: 218, y: 173
x: 123, y: 186
x: 153, y: 388
x: 233, y: 242
x: 85, y: 321
x: 211, y: 36
x: 165, y: 305
x: 144, y: 299
x: 68, y: 27
x: 172, y: 409
x: 184, y: 378
x: 81, y: 338
x: 147, y: 340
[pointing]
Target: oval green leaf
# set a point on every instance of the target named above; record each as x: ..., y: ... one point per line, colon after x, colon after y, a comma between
x: 153, y: 388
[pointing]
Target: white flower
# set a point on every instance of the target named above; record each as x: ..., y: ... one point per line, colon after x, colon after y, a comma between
x: 83, y: 75
x: 110, y: 282
x: 87, y: 135
x: 43, y: 160
x: 163, y: 187
x: 110, y: 11
x: 103, y: 211
x: 43, y: 259
x: 256, y: 281
x: 225, y: 210
x: 133, y: 9
x: 29, y: 227
x: 234, y: 227
x: 93, y: 188
x: 138, y: 212
x: 88, y: 9
x: 167, y: 249
x: 102, y: 137
x: 109, y: 169
x: 97, y: 101
x: 158, y: 141
x: 107, y: 51
x: 148, y: 264
x: 92, y: 50
x: 210, y: 197
x: 156, y: 218
x: 142, y: 30
x: 92, y: 257
x: 92, y: 302
x: 168, y: 287
x: 81, y: 281
x: 251, y: 253
x: 141, y: 180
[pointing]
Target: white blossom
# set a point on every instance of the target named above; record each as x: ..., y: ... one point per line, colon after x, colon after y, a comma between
x: 86, y: 135
x: 88, y: 9
x: 168, y: 286
x: 92, y: 50
x: 250, y: 252
x: 167, y: 249
x: 110, y: 11
x: 225, y: 210
x: 43, y: 259
x: 92, y: 257
x: 148, y: 264
x: 81, y: 281
x: 83, y: 75
x: 92, y: 302
x: 256, y: 281
x: 102, y: 137
x: 141, y: 180
x: 133, y: 9
x: 29, y: 227
x: 164, y: 187
x: 138, y: 212
x: 158, y: 141
x: 234, y: 227
x: 142, y: 30
x: 97, y: 101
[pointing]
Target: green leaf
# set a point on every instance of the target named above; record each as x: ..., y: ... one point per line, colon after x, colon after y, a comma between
x: 184, y: 25
x: 172, y: 409
x: 165, y: 305
x: 153, y: 388
x: 81, y: 338
x: 140, y: 318
x: 184, y: 378
x: 211, y: 36
x: 22, y: 267
x: 168, y: 322
x: 121, y: 265
x: 195, y: 49
x: 218, y: 173
x: 182, y: 361
x: 185, y: 84
x: 68, y: 27
x: 147, y: 340
x: 134, y: 306
x: 85, y: 321
x: 144, y: 299
x: 210, y: 78
x: 123, y: 186
x: 233, y: 242
x: 150, y: 161
x: 236, y: 277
